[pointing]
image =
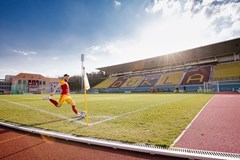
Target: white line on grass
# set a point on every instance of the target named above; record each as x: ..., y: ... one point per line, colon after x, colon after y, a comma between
x: 101, y: 116
x: 44, y: 111
x: 180, y: 136
x: 135, y: 111
x: 98, y: 122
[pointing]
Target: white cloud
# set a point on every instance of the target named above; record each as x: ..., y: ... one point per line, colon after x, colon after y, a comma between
x: 171, y: 25
x: 176, y: 27
x: 55, y: 58
x: 166, y: 7
x: 4, y: 72
x: 217, y: 16
x: 91, y: 57
x: 28, y: 54
x: 104, y: 49
x: 117, y: 3
x: 24, y: 53
x: 190, y: 24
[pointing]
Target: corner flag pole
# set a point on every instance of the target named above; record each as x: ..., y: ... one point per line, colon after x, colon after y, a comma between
x: 86, y: 106
x: 86, y: 87
x: 82, y: 83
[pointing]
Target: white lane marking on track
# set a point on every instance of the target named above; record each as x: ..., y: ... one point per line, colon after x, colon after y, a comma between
x: 44, y: 111
x: 10, y: 139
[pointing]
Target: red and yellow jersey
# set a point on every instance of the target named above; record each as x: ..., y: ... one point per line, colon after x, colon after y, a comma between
x: 64, y: 87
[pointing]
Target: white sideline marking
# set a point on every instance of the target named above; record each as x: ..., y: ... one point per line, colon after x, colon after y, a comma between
x: 132, y: 112
x: 180, y: 136
x: 44, y: 111
x: 101, y: 116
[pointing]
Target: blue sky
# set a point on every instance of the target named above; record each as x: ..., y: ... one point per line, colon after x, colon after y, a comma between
x: 49, y: 36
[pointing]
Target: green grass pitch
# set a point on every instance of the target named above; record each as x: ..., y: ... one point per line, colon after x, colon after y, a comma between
x: 156, y: 119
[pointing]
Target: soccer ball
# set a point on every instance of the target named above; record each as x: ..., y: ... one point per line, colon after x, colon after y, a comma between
x: 83, y: 113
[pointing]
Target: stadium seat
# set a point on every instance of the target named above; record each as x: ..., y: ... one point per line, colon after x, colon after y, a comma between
x: 119, y: 82
x: 149, y: 80
x: 227, y: 71
x: 198, y: 76
x: 106, y: 83
x: 133, y: 81
x: 171, y: 78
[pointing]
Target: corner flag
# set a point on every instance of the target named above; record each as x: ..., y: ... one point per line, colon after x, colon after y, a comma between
x: 86, y: 87
x: 86, y: 82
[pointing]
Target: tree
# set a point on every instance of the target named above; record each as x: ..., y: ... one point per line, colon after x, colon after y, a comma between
x: 94, y: 79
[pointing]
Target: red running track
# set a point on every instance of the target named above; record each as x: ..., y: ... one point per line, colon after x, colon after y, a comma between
x: 217, y: 127
x: 18, y: 145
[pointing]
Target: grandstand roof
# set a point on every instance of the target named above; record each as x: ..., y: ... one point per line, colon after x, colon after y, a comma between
x: 178, y: 58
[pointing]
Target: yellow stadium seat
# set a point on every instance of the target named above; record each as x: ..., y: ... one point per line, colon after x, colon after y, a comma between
x: 227, y: 71
x: 133, y: 81
x: 106, y: 83
x: 172, y: 78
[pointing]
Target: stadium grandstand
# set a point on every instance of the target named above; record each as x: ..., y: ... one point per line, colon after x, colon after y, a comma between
x: 215, y: 67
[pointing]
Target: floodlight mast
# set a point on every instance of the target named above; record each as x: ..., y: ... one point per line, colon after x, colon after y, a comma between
x: 83, y: 70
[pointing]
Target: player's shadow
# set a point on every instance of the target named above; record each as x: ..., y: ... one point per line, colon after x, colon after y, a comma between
x: 75, y: 129
x: 59, y: 120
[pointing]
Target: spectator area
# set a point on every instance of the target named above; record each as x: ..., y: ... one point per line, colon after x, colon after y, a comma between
x: 171, y: 78
x: 227, y: 71
x: 106, y: 83
x: 198, y: 76
x: 133, y: 81
x: 192, y: 78
x: 119, y: 82
x: 149, y: 80
x: 216, y: 65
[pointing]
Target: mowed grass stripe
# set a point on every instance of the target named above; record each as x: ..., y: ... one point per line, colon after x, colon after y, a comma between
x: 43, y: 111
x: 167, y: 117
x: 158, y: 125
x: 138, y: 110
